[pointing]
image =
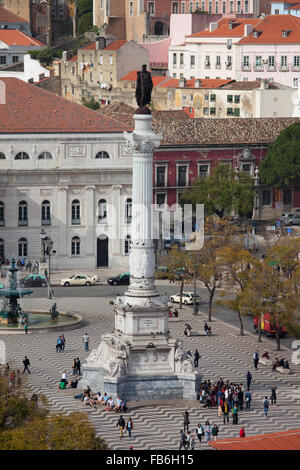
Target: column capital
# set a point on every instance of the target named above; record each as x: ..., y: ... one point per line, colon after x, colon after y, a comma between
x: 141, y: 143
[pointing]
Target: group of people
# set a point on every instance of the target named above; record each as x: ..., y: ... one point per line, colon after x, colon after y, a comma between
x: 60, y: 343
x: 280, y: 363
x: 96, y: 399
x: 173, y: 313
x: 187, y: 440
x: 32, y: 267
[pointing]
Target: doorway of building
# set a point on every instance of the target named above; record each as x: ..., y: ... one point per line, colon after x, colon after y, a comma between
x: 102, y: 251
x: 159, y: 28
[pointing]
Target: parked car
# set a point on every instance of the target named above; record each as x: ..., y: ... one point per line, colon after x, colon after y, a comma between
x: 187, y: 298
x: 123, y: 278
x: 34, y: 280
x: 295, y: 220
x: 284, y: 218
x: 78, y: 280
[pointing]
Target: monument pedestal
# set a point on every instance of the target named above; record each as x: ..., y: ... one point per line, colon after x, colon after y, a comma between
x: 140, y: 360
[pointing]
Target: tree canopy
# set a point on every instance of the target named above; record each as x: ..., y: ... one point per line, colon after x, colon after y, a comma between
x: 281, y: 167
x: 85, y: 16
x: 222, y: 192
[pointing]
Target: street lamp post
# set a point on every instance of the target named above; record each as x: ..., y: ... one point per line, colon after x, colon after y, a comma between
x: 42, y: 259
x: 49, y: 247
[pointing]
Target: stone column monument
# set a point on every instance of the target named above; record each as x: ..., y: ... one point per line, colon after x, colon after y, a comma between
x: 140, y: 360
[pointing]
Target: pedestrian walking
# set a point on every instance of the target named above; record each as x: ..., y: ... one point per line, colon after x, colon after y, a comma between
x: 78, y: 366
x: 196, y: 358
x: 192, y: 443
x: 26, y: 363
x: 273, y: 394
x: 12, y: 379
x: 183, y: 442
x: 186, y: 421
x: 206, y: 329
x: 85, y: 340
x: 266, y: 404
x: 225, y: 411
x: 74, y: 367
x: 58, y: 344
x: 121, y: 424
x: 241, y: 399
x: 255, y: 359
x: 63, y: 342
x: 199, y: 432
x: 129, y: 426
x: 248, y: 400
x: 26, y: 327
x: 207, y: 431
x: 215, y: 431
x: 235, y: 412
x: 188, y: 439
x: 248, y: 378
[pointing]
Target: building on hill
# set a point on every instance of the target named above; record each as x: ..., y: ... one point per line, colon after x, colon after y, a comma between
x: 98, y: 68
x: 9, y: 20
x: 32, y: 71
x: 63, y: 168
x: 14, y: 45
x: 241, y: 49
x: 191, y: 148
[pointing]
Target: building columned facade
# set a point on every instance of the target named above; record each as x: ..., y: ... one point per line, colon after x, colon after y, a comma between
x: 63, y: 169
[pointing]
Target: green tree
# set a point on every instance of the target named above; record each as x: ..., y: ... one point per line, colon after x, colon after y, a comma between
x: 178, y: 268
x: 91, y: 104
x: 45, y: 56
x: 222, y: 192
x: 281, y: 167
x: 85, y: 16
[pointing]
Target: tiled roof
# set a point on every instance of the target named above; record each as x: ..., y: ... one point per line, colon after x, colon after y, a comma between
x: 132, y: 76
x: 223, y: 29
x: 114, y: 46
x: 286, y: 440
x: 294, y: 6
x: 73, y: 59
x: 30, y: 109
x: 181, y: 131
x: 14, y: 37
x: 205, y: 83
x: 233, y: 85
x: 270, y: 31
x: 9, y: 17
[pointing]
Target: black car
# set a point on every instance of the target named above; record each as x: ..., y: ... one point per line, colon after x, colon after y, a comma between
x: 34, y: 280
x: 120, y: 279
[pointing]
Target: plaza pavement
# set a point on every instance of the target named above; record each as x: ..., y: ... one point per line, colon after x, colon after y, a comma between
x: 157, y: 425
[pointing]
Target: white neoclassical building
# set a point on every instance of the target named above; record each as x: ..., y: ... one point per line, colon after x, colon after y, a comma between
x: 63, y: 168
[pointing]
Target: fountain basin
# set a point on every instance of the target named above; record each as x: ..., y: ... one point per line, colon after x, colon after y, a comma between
x: 40, y: 322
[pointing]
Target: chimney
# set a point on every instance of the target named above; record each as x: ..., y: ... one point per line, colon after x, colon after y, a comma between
x: 64, y: 55
x: 212, y: 26
x: 100, y: 43
x: 41, y: 76
x: 230, y: 24
x: 182, y: 82
x: 264, y: 84
x: 248, y: 28
x: 197, y: 83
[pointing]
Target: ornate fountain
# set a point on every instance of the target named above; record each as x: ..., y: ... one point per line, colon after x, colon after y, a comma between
x: 10, y: 311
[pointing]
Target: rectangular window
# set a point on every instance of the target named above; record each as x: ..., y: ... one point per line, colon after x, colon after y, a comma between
x: 224, y: 7
x: 181, y: 60
x: 192, y: 61
x: 258, y: 61
x: 130, y: 8
x: 283, y: 61
x: 151, y: 8
x: 203, y: 171
x: 246, y: 61
x: 197, y: 6
x: 238, y: 7
x: 111, y: 60
x: 229, y: 111
x: 231, y: 7
x: 182, y: 175
x: 161, y: 199
x: 295, y: 82
x: 246, y: 6
x: 229, y: 98
x: 246, y: 168
x: 191, y: 7
x: 205, y: 111
x: 161, y: 176
x: 266, y: 197
x: 174, y: 59
x: 237, y: 111
x: 209, y: 7
x: 217, y: 7
x: 203, y: 6
x: 15, y: 59
x: 2, y: 59
x: 271, y: 61
x: 175, y: 8
x: 101, y: 60
x: 296, y: 61
x: 183, y: 7
x: 212, y: 97
x: 237, y: 99
x: 212, y: 111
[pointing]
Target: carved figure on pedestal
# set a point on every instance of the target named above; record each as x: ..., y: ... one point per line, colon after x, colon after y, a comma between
x: 144, y: 87
x: 183, y: 361
x: 120, y: 365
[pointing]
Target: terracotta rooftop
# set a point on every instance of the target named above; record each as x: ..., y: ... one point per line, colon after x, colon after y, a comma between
x: 180, y: 130
x: 132, y: 76
x: 9, y: 17
x: 205, y: 83
x: 223, y: 29
x: 233, y: 85
x: 270, y: 31
x: 286, y: 440
x: 30, y: 109
x: 14, y: 37
x: 114, y: 46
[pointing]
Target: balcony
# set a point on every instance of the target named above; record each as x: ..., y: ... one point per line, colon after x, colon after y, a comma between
x: 207, y: 65
x: 258, y: 68
x: 23, y: 223
x: 46, y: 222
x: 228, y: 66
x: 246, y: 68
x: 76, y: 222
x: 271, y: 68
x: 295, y: 68
x: 284, y: 68
x: 218, y: 66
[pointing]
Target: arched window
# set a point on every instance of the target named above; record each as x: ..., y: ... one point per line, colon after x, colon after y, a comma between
x: 23, y: 213
x: 102, y: 211
x: 2, y: 257
x: 2, y: 214
x: 102, y: 154
x: 2, y: 156
x: 45, y: 156
x: 76, y: 212
x: 128, y: 211
x: 46, y: 213
x: 22, y: 156
x: 23, y: 247
x: 127, y: 244
x: 75, y: 246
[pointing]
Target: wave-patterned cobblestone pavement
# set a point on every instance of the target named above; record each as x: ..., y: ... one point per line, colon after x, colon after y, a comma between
x: 157, y: 425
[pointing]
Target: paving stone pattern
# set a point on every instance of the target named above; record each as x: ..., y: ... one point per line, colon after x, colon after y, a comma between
x: 157, y: 425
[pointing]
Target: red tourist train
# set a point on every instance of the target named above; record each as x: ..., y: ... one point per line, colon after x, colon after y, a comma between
x: 267, y: 326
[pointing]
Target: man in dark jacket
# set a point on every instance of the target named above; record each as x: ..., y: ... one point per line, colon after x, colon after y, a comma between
x: 249, y: 378
x: 121, y: 424
x: 26, y: 365
x: 183, y: 442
